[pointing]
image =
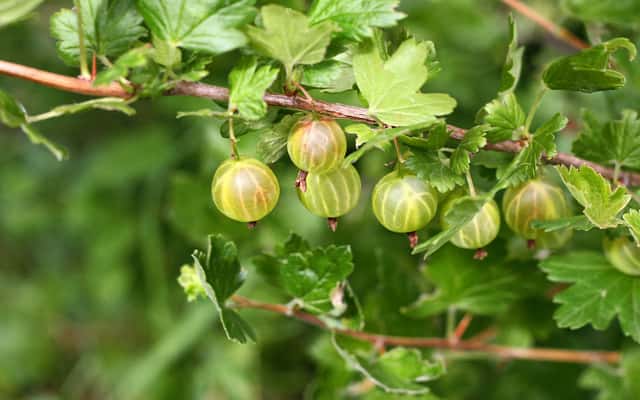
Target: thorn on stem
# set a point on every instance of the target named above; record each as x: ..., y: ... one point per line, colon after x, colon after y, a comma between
x: 413, y: 239
x: 333, y: 223
x: 252, y: 224
x: 480, y: 254
x: 301, y: 180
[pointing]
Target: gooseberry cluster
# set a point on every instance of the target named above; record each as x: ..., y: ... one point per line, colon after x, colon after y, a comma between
x: 246, y: 190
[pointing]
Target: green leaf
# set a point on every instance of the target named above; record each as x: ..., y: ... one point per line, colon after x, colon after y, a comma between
x: 110, y: 27
x: 134, y: 58
x: 597, y: 294
x: 577, y: 222
x: 466, y: 208
x: 593, y: 192
x: 269, y: 265
x: 272, y: 144
x: 588, y: 71
x: 363, y: 133
x: 609, y: 11
x: 513, y: 62
x: 105, y: 103
x: 381, y: 136
x: 356, y: 18
x: 392, y: 87
x: 632, y: 221
x: 221, y: 276
x: 289, y: 37
x: 12, y: 113
x: 211, y: 27
x: 248, y: 84
x: 525, y: 165
x: 479, y: 287
x: 505, y: 119
x: 12, y: 11
x: 400, y: 371
x: 332, y: 75
x: 616, y: 141
x: 429, y: 166
x: 473, y: 140
x: 619, y: 383
x: 312, y: 276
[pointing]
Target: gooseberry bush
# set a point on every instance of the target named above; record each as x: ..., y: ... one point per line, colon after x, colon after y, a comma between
x: 517, y: 252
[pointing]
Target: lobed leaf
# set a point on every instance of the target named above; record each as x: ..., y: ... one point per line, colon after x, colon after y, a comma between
x: 248, y: 84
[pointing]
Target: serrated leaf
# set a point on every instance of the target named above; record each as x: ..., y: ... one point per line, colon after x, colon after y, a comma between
x: 381, y: 137
x: 272, y: 144
x: 612, y: 141
x: 400, y: 371
x: 332, y: 75
x: 588, y: 71
x: 593, y: 192
x: 473, y: 140
x: 356, y: 18
x: 105, y: 103
x: 289, y: 37
x: 363, y: 133
x: 578, y: 222
x: 525, y: 164
x: 211, y: 27
x: 221, y: 276
x: 110, y: 28
x: 392, y: 87
x: 466, y: 208
x: 479, y: 287
x: 311, y: 277
x: 597, y: 294
x: 513, y: 63
x: 247, y: 86
x: 632, y: 221
x: 609, y: 11
x: 505, y: 118
x: 12, y: 11
x: 431, y: 168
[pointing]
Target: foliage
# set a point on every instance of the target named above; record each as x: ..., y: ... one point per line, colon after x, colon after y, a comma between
x: 98, y: 294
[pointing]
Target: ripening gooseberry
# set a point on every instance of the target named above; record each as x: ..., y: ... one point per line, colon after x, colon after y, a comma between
x: 403, y: 203
x: 623, y: 254
x: 480, y: 231
x: 317, y: 145
x: 332, y: 194
x: 534, y: 200
x: 245, y: 190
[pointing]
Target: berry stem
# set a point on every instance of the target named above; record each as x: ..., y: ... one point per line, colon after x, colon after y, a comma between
x: 472, y: 188
x: 233, y: 140
x: 398, y: 152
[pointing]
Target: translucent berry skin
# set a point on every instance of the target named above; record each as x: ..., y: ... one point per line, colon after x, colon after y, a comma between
x: 332, y: 194
x: 480, y: 231
x: 623, y: 254
x: 245, y: 190
x: 533, y: 200
x: 317, y: 146
x: 404, y: 203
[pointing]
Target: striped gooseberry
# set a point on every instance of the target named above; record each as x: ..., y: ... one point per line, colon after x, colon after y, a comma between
x: 245, y: 190
x: 477, y: 233
x: 536, y: 199
x: 404, y: 203
x: 623, y: 254
x: 331, y: 194
x: 317, y: 145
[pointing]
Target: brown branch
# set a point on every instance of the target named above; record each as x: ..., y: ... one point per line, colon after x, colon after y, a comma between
x: 335, y: 110
x: 503, y: 352
x: 547, y: 25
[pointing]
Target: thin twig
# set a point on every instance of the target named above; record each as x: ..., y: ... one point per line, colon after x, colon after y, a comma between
x: 547, y: 25
x: 502, y: 352
x: 335, y: 110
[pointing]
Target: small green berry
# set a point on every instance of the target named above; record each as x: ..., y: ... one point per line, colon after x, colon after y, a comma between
x: 480, y: 231
x: 331, y: 194
x: 317, y: 145
x: 623, y: 254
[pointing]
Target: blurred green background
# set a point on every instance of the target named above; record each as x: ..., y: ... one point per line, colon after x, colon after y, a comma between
x: 90, y: 248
